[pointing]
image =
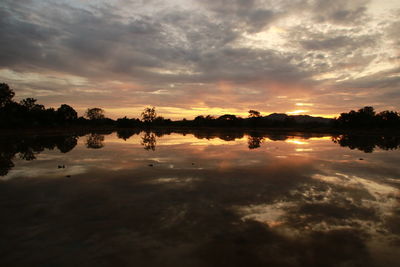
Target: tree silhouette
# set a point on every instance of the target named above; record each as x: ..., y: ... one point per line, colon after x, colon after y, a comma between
x: 6, y: 94
x: 210, y: 117
x: 66, y: 113
x: 30, y: 104
x: 149, y: 114
x: 367, y: 111
x: 94, y: 113
x: 127, y: 123
x: 366, y: 117
x: 388, y: 118
x: 254, y: 113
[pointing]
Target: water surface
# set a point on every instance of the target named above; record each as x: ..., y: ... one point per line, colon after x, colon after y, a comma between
x: 199, y: 199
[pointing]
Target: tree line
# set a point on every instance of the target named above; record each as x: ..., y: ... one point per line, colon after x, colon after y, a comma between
x: 367, y: 117
x: 28, y: 113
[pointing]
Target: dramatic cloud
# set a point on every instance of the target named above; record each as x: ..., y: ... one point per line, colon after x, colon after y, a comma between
x: 191, y: 57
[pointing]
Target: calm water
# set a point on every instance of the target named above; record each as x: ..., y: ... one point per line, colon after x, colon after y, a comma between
x: 202, y: 199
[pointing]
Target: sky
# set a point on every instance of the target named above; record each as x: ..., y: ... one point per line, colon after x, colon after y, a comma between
x: 199, y: 57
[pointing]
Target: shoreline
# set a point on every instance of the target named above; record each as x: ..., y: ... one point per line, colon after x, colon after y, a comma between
x: 79, y: 130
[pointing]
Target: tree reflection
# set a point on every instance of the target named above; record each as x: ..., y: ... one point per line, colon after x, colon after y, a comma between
x: 28, y: 154
x: 28, y: 147
x: 149, y: 141
x: 254, y: 141
x: 368, y: 143
x: 223, y: 135
x: 254, y: 214
x: 95, y: 141
x: 127, y: 133
x: 6, y: 163
x: 67, y: 144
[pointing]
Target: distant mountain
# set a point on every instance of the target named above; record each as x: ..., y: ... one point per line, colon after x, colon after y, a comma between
x: 297, y: 118
x: 277, y: 117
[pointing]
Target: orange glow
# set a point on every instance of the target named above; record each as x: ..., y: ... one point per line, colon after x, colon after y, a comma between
x: 304, y: 149
x: 296, y: 141
x: 321, y: 138
x: 225, y: 87
x: 175, y: 139
x: 297, y: 112
x: 176, y: 113
x: 304, y: 104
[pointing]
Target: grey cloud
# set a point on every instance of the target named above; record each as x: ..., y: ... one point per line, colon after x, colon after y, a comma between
x: 172, y: 45
x: 90, y: 44
x: 251, y: 64
x: 337, y: 42
x: 73, y: 40
x: 340, y: 11
x: 335, y: 49
x: 393, y: 30
x: 249, y: 15
x: 384, y: 79
x: 380, y: 90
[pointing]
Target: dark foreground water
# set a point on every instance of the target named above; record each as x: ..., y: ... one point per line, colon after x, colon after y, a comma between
x: 203, y: 199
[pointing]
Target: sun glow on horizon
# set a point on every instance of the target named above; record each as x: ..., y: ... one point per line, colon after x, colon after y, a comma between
x: 178, y: 113
x: 297, y: 112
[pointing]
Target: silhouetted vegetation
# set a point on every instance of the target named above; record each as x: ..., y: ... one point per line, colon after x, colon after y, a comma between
x: 66, y: 113
x: 6, y: 95
x: 254, y: 113
x: 94, y: 114
x: 367, y: 118
x: 29, y: 114
x: 128, y: 123
x: 149, y: 115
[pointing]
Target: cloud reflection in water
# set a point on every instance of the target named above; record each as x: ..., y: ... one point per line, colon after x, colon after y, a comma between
x: 219, y: 204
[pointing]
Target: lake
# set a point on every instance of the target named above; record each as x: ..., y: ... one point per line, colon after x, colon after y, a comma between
x: 199, y: 199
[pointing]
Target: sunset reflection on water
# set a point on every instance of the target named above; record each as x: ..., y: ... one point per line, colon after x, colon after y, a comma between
x: 204, y: 199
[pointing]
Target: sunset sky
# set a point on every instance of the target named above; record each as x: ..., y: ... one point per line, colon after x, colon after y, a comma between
x: 191, y: 57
